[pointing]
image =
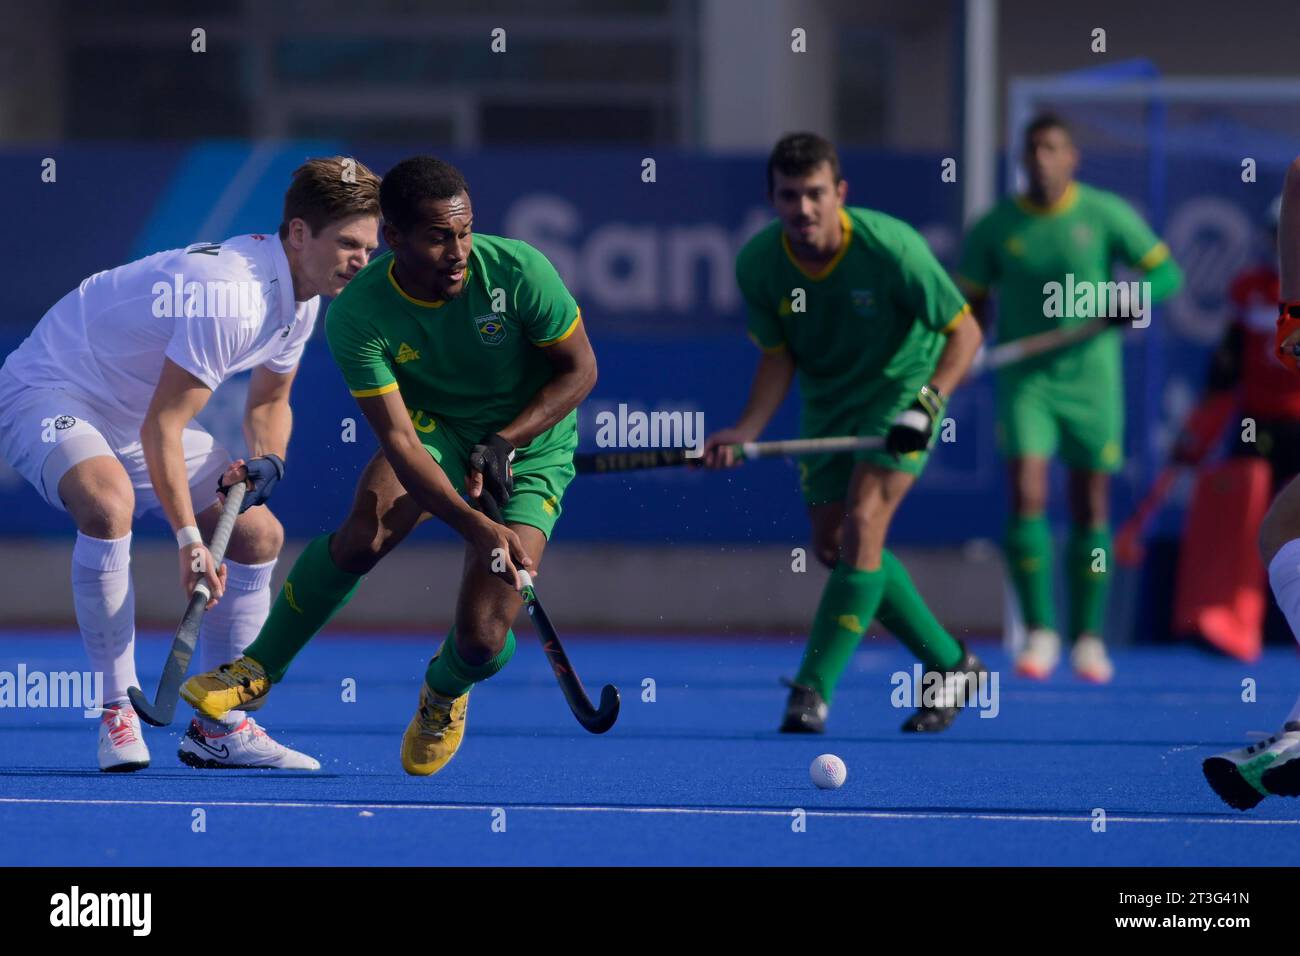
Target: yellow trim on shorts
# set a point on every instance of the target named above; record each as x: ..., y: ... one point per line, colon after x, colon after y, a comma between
x: 371, y: 392
x: 1156, y: 255
x: 573, y: 327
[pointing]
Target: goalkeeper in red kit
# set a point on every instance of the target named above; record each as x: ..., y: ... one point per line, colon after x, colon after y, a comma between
x: 1247, y: 384
x: 1244, y: 777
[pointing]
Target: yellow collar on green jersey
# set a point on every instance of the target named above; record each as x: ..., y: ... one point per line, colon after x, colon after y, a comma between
x: 847, y: 225
x: 1066, y: 202
x: 423, y: 303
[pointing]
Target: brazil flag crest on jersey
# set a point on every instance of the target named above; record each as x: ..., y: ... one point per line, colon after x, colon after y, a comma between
x: 490, y: 329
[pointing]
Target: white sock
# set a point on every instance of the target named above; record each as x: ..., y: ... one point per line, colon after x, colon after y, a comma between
x: 1284, y: 578
x: 233, y: 624
x: 104, y: 602
x: 219, y: 726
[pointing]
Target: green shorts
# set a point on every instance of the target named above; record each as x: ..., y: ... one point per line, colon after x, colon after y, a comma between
x: 825, y: 478
x: 542, y: 469
x: 1037, y: 417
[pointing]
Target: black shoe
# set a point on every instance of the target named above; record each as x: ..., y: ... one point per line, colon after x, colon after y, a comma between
x: 930, y: 720
x: 805, y: 711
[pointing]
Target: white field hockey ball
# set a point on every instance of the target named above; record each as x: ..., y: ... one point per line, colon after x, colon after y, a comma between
x: 828, y: 772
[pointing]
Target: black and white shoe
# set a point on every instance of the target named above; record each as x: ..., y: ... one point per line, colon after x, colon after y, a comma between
x: 1282, y: 776
x: 805, y: 710
x: 245, y: 747
x: 959, y: 689
x: 1244, y: 777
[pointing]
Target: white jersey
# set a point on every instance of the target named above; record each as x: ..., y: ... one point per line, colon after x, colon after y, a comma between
x: 215, y: 309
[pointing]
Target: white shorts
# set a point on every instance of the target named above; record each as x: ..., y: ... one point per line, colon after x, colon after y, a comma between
x: 45, y: 431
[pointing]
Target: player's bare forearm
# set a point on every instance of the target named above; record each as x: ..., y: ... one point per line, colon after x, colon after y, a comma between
x: 419, y: 474
x: 164, y: 455
x: 554, y: 400
x: 267, y: 428
x: 428, y: 483
x: 268, y: 419
x: 1288, y: 235
x: 574, y: 366
x: 177, y: 398
x: 772, y: 380
x: 963, y: 343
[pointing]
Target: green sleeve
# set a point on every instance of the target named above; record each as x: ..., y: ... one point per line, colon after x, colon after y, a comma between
x: 542, y: 303
x: 926, y: 289
x: 761, y: 322
x: 359, y: 352
x: 1166, y: 279
x: 1131, y: 239
x: 979, y: 264
x: 1134, y: 244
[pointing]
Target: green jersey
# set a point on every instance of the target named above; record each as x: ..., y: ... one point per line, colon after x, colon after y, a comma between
x: 473, y: 362
x: 1020, y: 247
x: 867, y: 326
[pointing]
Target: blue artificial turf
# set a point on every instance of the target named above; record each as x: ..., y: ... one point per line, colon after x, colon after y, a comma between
x: 697, y: 777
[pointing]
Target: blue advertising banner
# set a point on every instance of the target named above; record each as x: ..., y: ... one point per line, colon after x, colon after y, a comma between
x: 651, y: 264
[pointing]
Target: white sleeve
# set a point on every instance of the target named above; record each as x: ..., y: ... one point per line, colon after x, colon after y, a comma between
x: 288, y: 358
x: 205, y: 347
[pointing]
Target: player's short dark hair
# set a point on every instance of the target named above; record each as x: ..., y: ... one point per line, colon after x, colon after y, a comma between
x: 797, y: 154
x: 325, y: 190
x: 1046, y: 121
x: 416, y: 180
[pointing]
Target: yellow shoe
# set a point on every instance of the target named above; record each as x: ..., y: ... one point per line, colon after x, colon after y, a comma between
x: 434, y: 734
x: 242, y: 685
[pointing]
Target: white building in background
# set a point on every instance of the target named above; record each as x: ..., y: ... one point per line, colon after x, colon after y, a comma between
x: 714, y: 74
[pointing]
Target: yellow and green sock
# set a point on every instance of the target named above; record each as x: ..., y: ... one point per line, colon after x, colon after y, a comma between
x: 451, y: 676
x: 1088, y: 558
x: 314, y: 592
x: 905, y: 614
x: 1029, y: 561
x: 851, y: 599
x: 848, y: 603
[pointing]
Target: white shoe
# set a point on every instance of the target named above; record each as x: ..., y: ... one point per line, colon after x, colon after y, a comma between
x: 1090, y: 660
x: 121, y: 746
x: 245, y: 747
x: 1041, y: 654
x: 1244, y: 777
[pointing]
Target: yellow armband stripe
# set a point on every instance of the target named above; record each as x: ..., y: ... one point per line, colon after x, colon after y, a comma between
x: 370, y: 392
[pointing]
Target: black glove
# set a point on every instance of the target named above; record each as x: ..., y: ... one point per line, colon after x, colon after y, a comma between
x: 491, y: 458
x: 1123, y: 308
x: 914, y: 425
x: 263, y: 475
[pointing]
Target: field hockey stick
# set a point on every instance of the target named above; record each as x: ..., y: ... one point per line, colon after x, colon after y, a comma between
x: 1000, y: 356
x: 596, y: 463
x: 1128, y: 541
x: 163, y: 708
x: 593, y: 720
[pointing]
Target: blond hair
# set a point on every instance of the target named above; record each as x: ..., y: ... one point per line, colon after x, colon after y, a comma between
x: 325, y: 190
